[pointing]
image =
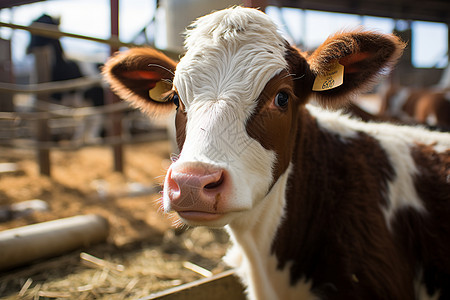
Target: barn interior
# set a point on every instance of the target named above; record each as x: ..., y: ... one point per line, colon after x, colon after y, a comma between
x: 84, y: 158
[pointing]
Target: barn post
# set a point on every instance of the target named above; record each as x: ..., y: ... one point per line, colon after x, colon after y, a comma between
x: 42, y: 62
x: 116, y: 128
x: 6, y: 74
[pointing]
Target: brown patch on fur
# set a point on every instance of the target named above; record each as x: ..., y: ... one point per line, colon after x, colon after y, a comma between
x: 334, y: 228
x: 275, y: 128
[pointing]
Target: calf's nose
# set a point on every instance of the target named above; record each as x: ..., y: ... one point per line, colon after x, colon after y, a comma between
x: 196, y: 188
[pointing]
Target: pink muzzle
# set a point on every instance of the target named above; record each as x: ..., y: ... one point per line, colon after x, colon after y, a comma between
x: 197, y: 191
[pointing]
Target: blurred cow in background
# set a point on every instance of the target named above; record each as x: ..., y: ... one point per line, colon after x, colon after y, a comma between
x: 61, y: 67
x: 430, y: 107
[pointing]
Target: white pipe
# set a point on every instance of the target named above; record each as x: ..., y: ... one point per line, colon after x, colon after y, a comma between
x: 22, y: 245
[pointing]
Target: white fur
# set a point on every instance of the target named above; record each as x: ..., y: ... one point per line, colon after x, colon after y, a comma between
x: 396, y: 142
x: 252, y: 238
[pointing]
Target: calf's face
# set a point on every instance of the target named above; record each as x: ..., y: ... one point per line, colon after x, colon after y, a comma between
x: 238, y: 92
x: 236, y: 102
x: 233, y: 148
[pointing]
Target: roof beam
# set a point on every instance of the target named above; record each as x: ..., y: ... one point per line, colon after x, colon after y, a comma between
x: 432, y: 10
x: 12, y: 3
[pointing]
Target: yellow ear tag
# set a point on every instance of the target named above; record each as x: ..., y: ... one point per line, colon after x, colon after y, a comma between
x: 159, y: 90
x: 330, y: 80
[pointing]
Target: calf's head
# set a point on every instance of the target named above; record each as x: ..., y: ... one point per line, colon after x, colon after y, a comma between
x: 239, y: 92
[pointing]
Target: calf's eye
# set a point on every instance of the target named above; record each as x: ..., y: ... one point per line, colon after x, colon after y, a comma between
x: 281, y: 100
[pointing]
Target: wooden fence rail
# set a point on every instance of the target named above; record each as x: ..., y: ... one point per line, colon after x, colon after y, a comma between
x: 51, y: 112
x: 72, y: 117
x: 50, y: 87
x: 55, y: 111
x: 157, y: 135
x: 49, y: 31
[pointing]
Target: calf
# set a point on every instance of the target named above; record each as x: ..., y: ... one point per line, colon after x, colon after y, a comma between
x: 318, y: 206
x: 429, y: 107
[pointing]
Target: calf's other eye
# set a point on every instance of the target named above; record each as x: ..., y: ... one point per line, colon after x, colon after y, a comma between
x: 281, y: 100
x: 176, y: 100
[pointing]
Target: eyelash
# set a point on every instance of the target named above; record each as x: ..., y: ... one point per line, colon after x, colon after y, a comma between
x: 172, y: 96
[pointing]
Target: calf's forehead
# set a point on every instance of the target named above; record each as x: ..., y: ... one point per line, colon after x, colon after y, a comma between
x: 226, y: 76
x: 231, y: 55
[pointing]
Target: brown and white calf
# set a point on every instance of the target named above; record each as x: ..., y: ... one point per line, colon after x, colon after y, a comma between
x: 427, y: 106
x: 318, y: 206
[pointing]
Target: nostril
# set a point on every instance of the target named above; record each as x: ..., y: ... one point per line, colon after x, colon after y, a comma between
x: 172, y: 183
x: 215, y: 184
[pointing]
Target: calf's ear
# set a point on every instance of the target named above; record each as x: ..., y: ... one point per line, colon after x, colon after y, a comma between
x: 142, y: 76
x: 348, y: 63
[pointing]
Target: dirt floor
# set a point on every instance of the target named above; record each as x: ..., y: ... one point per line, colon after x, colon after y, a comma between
x: 144, y: 252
